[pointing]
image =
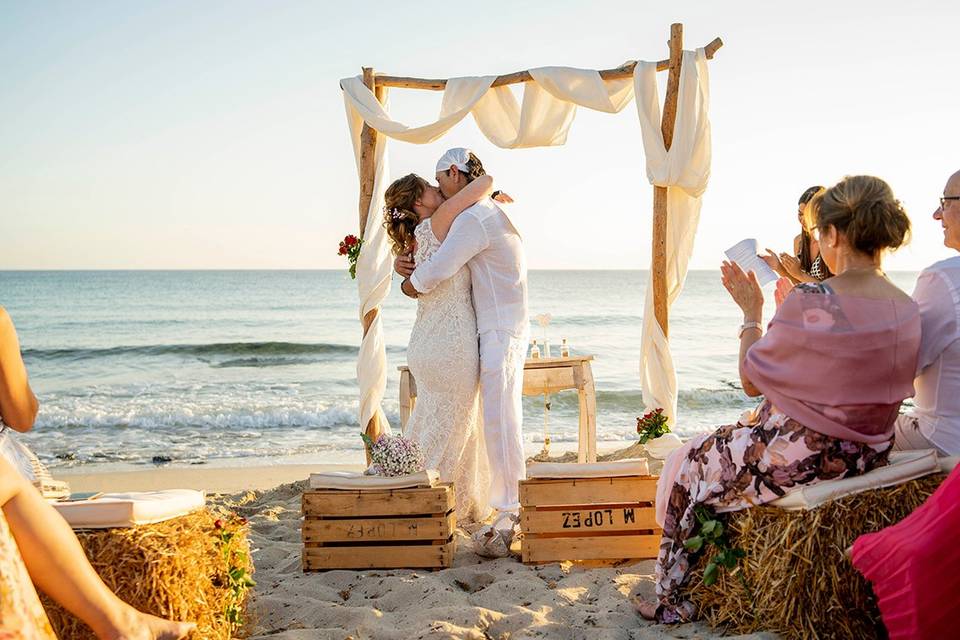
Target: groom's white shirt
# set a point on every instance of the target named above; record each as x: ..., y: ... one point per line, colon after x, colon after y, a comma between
x: 484, y: 239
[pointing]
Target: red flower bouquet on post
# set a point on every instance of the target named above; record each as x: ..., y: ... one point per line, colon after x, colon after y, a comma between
x: 652, y: 425
x: 350, y: 247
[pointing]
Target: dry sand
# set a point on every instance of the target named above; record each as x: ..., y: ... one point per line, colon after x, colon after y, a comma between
x: 476, y: 598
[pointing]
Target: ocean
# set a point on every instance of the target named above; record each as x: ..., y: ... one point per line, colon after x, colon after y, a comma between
x: 135, y: 368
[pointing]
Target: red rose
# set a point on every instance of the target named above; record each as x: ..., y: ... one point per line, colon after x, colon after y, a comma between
x: 350, y: 241
x: 218, y: 524
x: 343, y: 249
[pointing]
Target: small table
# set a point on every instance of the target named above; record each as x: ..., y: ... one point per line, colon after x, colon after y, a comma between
x: 540, y: 376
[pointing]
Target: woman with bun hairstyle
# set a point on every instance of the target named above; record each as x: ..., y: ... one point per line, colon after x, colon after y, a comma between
x: 837, y: 359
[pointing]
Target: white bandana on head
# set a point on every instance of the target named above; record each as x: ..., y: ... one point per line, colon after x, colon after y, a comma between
x: 456, y: 157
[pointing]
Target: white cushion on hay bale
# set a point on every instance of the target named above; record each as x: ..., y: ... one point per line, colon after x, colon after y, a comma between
x: 112, y: 510
x: 903, y: 467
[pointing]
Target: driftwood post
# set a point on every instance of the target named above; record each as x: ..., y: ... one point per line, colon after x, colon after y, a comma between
x: 659, y: 260
x: 368, y: 147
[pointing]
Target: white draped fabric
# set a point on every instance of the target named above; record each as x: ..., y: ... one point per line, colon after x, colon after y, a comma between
x: 543, y: 119
x: 684, y: 170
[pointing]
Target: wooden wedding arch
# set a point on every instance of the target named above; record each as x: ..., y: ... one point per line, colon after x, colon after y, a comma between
x: 377, y: 82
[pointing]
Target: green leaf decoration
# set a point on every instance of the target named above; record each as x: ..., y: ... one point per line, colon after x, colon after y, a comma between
x: 710, y: 574
x: 367, y: 441
x: 693, y: 544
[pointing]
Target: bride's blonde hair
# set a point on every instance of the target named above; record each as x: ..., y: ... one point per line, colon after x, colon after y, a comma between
x: 399, y: 218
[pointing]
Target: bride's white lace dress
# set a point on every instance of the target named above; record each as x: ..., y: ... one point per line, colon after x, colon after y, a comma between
x: 444, y: 358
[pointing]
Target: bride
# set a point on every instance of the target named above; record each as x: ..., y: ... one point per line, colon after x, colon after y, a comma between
x: 443, y: 354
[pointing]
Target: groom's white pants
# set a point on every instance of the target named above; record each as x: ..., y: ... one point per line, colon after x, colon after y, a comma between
x: 501, y: 386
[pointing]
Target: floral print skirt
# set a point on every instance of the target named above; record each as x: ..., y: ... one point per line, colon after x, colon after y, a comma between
x: 739, y: 466
x: 21, y: 615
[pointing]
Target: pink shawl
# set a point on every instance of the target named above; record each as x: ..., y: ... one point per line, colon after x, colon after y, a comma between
x: 838, y: 364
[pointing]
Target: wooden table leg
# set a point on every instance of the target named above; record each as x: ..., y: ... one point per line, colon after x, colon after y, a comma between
x: 583, y: 434
x: 406, y: 406
x: 591, y: 398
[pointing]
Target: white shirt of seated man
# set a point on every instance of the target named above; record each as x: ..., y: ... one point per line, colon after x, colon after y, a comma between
x: 936, y: 410
x: 485, y: 240
x: 934, y: 420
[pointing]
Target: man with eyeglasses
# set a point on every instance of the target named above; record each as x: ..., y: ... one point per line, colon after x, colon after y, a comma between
x: 934, y: 422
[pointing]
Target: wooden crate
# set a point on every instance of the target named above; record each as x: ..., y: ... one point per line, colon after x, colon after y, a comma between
x: 383, y: 529
x: 608, y: 519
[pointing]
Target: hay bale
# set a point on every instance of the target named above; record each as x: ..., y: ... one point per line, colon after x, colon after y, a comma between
x: 801, y: 584
x: 176, y: 569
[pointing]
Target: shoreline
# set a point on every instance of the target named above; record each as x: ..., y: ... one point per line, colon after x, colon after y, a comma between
x: 233, y: 475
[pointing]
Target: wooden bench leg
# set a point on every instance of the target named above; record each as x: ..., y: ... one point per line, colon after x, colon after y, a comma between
x: 583, y: 435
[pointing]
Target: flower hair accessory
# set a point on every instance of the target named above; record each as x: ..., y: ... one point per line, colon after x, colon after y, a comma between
x: 394, y: 213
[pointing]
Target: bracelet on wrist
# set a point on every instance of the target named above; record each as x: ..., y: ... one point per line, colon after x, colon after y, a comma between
x: 750, y: 325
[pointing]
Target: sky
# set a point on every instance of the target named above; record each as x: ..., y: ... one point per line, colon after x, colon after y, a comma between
x: 185, y: 135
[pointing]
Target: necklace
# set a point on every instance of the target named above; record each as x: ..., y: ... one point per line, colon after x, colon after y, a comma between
x: 873, y: 270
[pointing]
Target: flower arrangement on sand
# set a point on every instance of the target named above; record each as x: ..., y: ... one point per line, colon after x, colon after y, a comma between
x: 393, y: 456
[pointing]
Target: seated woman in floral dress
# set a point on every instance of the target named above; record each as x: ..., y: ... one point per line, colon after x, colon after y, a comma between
x: 38, y: 547
x: 837, y: 360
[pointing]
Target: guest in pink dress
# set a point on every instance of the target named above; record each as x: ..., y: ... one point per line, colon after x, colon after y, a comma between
x: 837, y: 360
x: 914, y: 567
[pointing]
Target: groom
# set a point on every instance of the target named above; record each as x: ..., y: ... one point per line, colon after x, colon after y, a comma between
x: 483, y: 238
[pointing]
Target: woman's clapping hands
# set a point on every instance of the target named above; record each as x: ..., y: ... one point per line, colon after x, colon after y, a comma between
x: 744, y: 289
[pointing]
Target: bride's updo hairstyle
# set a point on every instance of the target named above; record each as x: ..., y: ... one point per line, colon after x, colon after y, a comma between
x: 399, y: 218
x: 864, y: 209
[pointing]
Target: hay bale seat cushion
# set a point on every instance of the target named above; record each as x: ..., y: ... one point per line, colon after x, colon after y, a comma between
x: 112, y: 510
x: 796, y: 579
x: 175, y: 569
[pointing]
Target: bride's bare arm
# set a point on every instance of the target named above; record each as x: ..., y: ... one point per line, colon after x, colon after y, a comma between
x: 447, y: 212
x: 18, y: 405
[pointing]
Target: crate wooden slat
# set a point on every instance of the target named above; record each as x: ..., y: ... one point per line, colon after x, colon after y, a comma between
x: 589, y: 519
x: 544, y: 492
x: 379, y: 529
x: 397, y: 502
x: 591, y: 548
x: 585, y: 519
x: 379, y: 557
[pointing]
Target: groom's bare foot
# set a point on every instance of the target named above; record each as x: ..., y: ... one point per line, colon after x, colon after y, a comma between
x: 135, y: 625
